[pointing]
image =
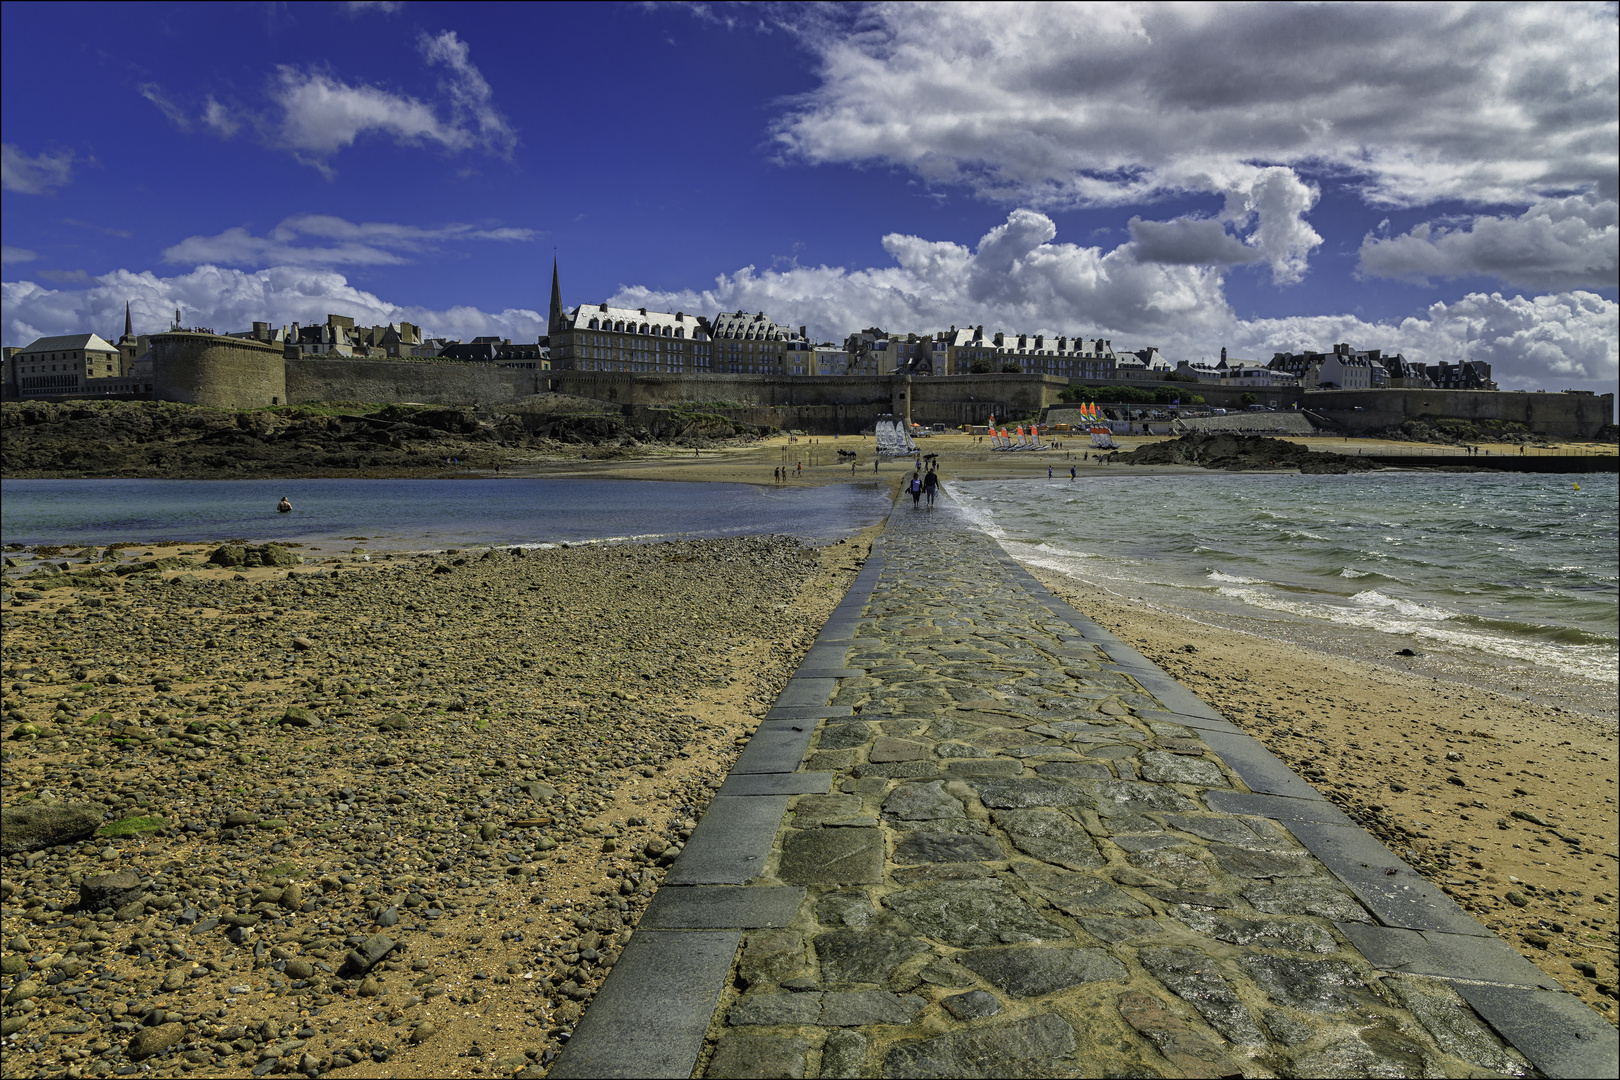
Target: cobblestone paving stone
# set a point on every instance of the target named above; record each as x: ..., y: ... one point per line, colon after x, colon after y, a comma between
x: 1017, y: 874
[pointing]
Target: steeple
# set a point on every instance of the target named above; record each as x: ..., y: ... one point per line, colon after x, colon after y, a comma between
x: 129, y: 327
x: 554, y: 323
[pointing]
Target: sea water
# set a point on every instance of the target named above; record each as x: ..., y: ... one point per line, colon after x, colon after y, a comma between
x: 1507, y: 579
x: 423, y: 514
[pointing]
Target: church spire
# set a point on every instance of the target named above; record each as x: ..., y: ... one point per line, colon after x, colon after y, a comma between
x: 129, y: 327
x: 554, y: 324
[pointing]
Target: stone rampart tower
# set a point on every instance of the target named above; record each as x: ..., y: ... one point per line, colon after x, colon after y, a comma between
x: 225, y: 372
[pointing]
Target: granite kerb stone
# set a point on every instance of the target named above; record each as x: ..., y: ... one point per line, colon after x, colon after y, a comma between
x: 775, y: 747
x: 1395, y: 893
x: 700, y: 907
x: 1448, y: 956
x: 1560, y: 1034
x: 653, y: 1012
x: 785, y: 783
x: 731, y: 843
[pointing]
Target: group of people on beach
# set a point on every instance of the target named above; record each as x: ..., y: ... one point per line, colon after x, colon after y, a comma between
x: 783, y: 472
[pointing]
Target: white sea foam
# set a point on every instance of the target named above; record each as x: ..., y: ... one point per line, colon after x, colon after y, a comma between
x: 1347, y: 572
x: 1427, y: 624
x: 1232, y: 579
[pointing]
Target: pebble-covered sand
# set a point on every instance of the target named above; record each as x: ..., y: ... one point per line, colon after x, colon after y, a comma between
x: 390, y: 815
x: 1508, y: 806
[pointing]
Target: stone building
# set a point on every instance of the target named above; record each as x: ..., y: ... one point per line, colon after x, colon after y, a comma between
x: 1342, y: 369
x: 54, y: 366
x: 747, y: 344
x: 1467, y: 375
x: 602, y: 337
x: 969, y: 349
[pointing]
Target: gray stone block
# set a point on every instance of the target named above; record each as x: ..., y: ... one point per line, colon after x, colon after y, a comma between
x: 946, y: 847
x: 828, y: 672
x: 1033, y: 972
x: 1558, y: 1033
x: 1403, y: 898
x: 1258, y: 767
x: 864, y: 956
x: 800, y: 691
x: 775, y: 1009
x: 651, y: 1015
x: 972, y: 914
x: 758, y: 1055
x: 973, y: 1005
x: 1037, y: 1046
x: 731, y: 842
x: 776, y: 747
x: 806, y: 713
x: 843, y: 1055
x: 862, y: 1007
x: 794, y: 783
x: 990, y: 767
x: 1202, y: 723
x: 1450, y: 956
x: 721, y: 907
x: 833, y: 857
x: 1284, y: 808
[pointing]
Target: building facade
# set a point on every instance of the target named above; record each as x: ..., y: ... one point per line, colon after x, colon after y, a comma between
x: 745, y: 344
x: 602, y: 337
x: 71, y: 364
x: 970, y: 350
x: 1342, y: 369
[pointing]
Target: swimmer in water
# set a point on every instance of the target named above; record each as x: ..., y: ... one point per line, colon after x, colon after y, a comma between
x: 284, y: 507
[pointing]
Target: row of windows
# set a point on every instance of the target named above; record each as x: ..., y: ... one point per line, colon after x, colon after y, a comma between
x: 622, y: 327
x: 42, y: 382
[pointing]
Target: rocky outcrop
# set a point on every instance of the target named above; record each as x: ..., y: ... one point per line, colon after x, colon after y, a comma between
x: 1239, y: 453
x: 166, y: 439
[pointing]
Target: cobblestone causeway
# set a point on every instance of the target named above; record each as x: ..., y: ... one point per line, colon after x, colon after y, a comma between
x: 1011, y: 848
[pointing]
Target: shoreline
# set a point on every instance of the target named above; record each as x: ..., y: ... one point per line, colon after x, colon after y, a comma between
x: 1443, y: 773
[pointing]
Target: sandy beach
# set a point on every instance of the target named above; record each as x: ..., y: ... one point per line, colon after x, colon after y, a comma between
x: 1508, y: 806
x: 487, y: 759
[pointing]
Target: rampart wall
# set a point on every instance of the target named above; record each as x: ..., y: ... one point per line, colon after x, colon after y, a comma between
x: 391, y: 381
x: 224, y: 372
x: 234, y: 373
x: 1562, y: 416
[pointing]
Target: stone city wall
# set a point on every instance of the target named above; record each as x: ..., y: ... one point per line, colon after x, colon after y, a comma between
x: 224, y: 372
x: 390, y: 381
x: 1562, y: 416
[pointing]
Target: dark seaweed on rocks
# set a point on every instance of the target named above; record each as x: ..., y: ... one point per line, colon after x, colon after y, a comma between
x: 1239, y: 453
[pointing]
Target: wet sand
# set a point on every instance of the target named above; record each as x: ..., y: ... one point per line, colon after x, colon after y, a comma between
x: 1455, y: 779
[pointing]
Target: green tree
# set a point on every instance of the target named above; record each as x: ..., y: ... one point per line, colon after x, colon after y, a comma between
x: 980, y: 367
x: 1248, y: 399
x: 1011, y: 367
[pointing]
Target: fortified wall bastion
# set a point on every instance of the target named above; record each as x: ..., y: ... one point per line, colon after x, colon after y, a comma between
x: 238, y: 373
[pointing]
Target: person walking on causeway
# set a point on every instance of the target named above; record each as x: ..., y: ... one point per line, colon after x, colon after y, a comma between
x: 915, y: 487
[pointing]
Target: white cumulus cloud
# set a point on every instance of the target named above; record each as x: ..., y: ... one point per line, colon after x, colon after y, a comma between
x: 228, y: 300
x: 1555, y: 244
x: 316, y: 114
x: 37, y: 175
x: 325, y: 240
x: 1110, y: 104
x: 1019, y: 279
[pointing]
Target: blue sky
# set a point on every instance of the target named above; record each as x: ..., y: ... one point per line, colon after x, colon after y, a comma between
x: 1436, y: 180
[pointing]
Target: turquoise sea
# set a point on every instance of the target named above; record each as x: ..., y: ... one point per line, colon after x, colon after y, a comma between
x: 1508, y: 579
x: 421, y: 514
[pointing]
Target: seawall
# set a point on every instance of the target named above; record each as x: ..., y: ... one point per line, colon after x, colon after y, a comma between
x: 1562, y: 416
x: 390, y: 381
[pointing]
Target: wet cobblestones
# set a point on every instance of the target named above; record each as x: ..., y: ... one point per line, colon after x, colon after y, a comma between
x: 1017, y: 872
